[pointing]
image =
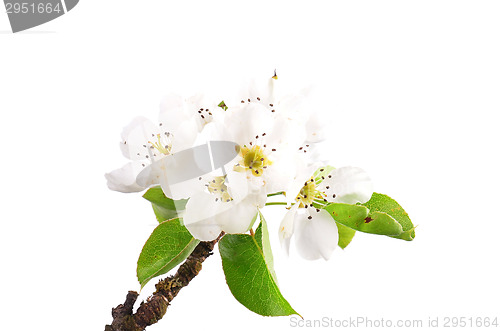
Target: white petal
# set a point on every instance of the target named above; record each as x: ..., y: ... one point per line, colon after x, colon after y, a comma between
x: 243, y: 185
x: 166, y: 172
x: 180, y: 117
x: 284, y: 133
x: 207, y: 216
x: 316, y: 237
x: 315, y: 129
x: 286, y: 228
x: 172, y: 111
x: 303, y: 174
x: 237, y: 219
x: 200, y: 217
x: 149, y: 175
x: 281, y: 173
x: 294, y: 106
x: 136, y: 136
x: 201, y: 206
x: 317, y: 150
x: 349, y: 184
x: 182, y: 190
x: 205, y: 230
x: 237, y: 185
x: 124, y: 179
x: 243, y: 124
x: 209, y: 133
x: 264, y: 89
x: 259, y: 198
x: 197, y: 110
x: 184, y: 136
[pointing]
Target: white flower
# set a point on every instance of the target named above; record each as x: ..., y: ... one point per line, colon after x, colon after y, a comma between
x: 269, y: 149
x: 229, y: 199
x: 272, y: 148
x: 145, y: 143
x: 315, y: 230
x: 213, y: 208
x: 299, y: 107
x: 269, y: 146
x: 265, y: 92
x: 273, y: 135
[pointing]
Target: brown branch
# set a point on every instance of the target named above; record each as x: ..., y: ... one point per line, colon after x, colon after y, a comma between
x: 154, y: 308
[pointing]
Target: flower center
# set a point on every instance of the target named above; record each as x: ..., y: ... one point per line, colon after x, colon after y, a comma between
x: 308, y: 194
x: 218, y: 187
x: 253, y: 159
x: 160, y: 145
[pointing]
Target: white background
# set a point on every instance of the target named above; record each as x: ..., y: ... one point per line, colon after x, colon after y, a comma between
x: 410, y: 91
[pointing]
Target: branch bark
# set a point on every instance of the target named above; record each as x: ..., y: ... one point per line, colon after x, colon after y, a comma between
x: 155, y: 307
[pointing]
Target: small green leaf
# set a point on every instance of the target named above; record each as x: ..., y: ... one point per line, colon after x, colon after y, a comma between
x: 384, y: 204
x: 163, y: 207
x: 360, y: 218
x: 250, y: 275
x: 222, y: 104
x: 169, y: 244
x: 345, y: 235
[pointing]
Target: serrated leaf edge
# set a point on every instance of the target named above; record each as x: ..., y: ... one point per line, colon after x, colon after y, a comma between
x: 159, y: 272
x: 269, y: 274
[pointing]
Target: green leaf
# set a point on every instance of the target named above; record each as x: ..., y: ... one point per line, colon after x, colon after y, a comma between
x: 380, y: 215
x: 360, y: 218
x: 163, y: 207
x: 169, y: 244
x: 345, y: 235
x: 349, y: 215
x: 265, y: 245
x: 381, y: 203
x: 248, y: 267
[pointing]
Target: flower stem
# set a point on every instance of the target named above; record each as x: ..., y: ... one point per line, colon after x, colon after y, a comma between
x: 276, y: 204
x: 274, y: 194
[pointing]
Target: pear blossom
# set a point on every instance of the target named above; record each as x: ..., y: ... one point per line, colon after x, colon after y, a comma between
x: 265, y: 163
x: 316, y: 233
x: 299, y: 106
x: 144, y: 143
x: 268, y: 147
x: 215, y: 208
x: 273, y: 132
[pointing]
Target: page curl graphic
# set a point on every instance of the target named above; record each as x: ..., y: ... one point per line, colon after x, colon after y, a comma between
x: 26, y: 14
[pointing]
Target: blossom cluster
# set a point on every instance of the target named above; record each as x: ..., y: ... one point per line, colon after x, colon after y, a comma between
x: 273, y: 138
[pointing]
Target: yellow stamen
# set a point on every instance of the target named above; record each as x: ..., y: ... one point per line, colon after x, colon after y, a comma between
x: 218, y: 187
x: 253, y: 159
x: 160, y: 147
x: 308, y: 194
